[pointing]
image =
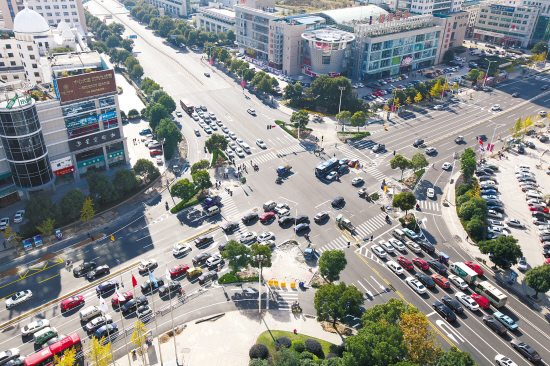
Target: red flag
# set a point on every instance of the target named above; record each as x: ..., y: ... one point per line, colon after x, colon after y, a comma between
x: 134, y: 282
x: 480, y: 142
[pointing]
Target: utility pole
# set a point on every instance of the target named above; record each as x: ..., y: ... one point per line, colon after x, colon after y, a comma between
x: 341, y: 88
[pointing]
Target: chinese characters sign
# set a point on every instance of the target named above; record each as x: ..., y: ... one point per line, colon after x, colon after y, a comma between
x: 85, y: 85
x: 95, y: 139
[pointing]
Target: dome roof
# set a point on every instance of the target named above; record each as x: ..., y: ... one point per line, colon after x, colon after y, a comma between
x: 67, y: 34
x: 29, y: 21
x: 62, y: 26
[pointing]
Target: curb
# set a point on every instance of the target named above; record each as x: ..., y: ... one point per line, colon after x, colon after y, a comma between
x: 201, y: 234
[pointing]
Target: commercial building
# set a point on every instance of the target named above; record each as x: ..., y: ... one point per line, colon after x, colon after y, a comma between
x: 454, y: 26
x: 215, y: 18
x: 174, y: 8
x: 472, y: 7
x: 424, y: 7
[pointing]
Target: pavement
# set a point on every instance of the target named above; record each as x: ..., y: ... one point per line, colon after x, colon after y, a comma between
x: 227, y: 339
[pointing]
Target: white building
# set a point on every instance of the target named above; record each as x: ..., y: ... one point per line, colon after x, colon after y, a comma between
x: 427, y: 6
x: 472, y: 7
x: 216, y: 18
x: 174, y: 8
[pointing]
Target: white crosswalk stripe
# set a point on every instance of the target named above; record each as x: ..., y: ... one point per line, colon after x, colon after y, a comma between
x: 229, y: 208
x: 336, y: 244
x: 365, y: 251
x: 375, y: 173
x: 368, y: 227
x: 285, y: 299
x: 429, y: 205
x: 270, y: 155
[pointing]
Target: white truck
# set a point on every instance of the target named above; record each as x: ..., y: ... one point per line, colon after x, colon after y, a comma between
x: 462, y: 270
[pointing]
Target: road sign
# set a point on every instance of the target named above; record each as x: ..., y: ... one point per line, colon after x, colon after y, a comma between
x: 133, y: 36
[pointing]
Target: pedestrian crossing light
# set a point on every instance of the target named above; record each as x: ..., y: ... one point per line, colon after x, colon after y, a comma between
x: 112, y: 238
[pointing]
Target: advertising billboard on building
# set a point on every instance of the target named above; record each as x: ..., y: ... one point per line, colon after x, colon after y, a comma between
x: 85, y: 85
x: 94, y: 139
x: 62, y: 163
x: 509, y: 9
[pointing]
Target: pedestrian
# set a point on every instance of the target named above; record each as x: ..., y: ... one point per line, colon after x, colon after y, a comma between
x: 295, y: 332
x: 5, y: 246
x: 466, y: 237
x: 371, y: 237
x: 117, y: 262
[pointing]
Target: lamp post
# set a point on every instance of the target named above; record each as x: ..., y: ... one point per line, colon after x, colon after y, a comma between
x: 487, y: 75
x: 342, y: 88
x: 260, y: 259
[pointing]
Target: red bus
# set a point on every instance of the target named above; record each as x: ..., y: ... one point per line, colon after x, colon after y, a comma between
x: 186, y: 106
x: 44, y: 357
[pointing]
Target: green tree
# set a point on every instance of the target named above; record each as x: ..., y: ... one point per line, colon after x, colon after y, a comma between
x: 503, y: 247
x: 170, y: 133
x: 236, y: 254
x: 145, y: 168
x: 231, y: 36
x: 101, y: 188
x: 358, y: 119
x: 71, y: 202
x: 390, y: 311
x: 67, y: 359
x: 60, y: 50
x: 538, y: 278
x: 100, y: 47
x: 449, y: 55
x: 331, y: 263
x: 183, y: 189
x: 125, y: 180
x: 455, y: 357
x: 541, y: 47
x: 334, y: 302
x: 344, y: 116
x: 87, y: 213
x: 216, y: 142
x: 400, y: 162
x: 155, y: 96
x: 168, y: 103
x: 112, y: 41
x: 37, y: 210
x: 265, y: 85
x: 468, y: 164
x: 116, y: 28
x: 257, y: 250
x: 473, y: 75
x: 157, y: 113
x: 300, y: 118
x: 137, y: 71
x: 202, y: 179
x: 404, y: 201
x: 200, y: 165
x: 165, y: 26
x: 127, y: 44
x: 418, y: 161
x: 99, y: 354
x: 475, y: 228
x: 46, y: 227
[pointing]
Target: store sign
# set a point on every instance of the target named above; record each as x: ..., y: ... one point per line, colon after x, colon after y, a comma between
x: 95, y: 139
x: 64, y: 171
x: 61, y: 163
x: 106, y: 116
x: 81, y: 122
x: 487, y: 33
x: 406, y: 15
x: 115, y: 154
x: 21, y: 100
x: 333, y: 74
x: 407, y: 61
x: 390, y: 17
x: 91, y: 162
x: 85, y: 85
x: 398, y: 15
x: 509, y: 9
x: 382, y: 18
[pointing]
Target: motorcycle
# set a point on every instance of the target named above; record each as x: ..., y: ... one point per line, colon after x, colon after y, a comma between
x: 387, y: 218
x: 417, y: 207
x: 166, y: 205
x: 296, y: 308
x: 279, y: 180
x: 306, y: 236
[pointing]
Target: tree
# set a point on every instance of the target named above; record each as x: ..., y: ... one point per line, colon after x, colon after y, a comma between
x: 46, y: 227
x: 200, y: 165
x: 11, y: 236
x: 183, y: 189
x: 37, y: 210
x: 60, y: 50
x: 139, y: 337
x: 418, y: 98
x: 404, y: 201
x: 401, y: 162
x: 202, y: 179
x: 87, y: 213
x: 256, y: 250
x: 390, y: 311
x: 265, y: 85
x: 358, y: 119
x: 68, y: 358
x: 437, y: 89
x: 116, y: 28
x: 100, y: 47
x: 344, y: 116
x: 418, y: 161
x: 468, y: 164
x: 231, y: 37
x: 127, y: 44
x: 133, y: 113
x: 538, y: 278
x: 165, y: 26
x: 300, y: 118
x: 71, y: 203
x: 216, y: 142
x: 112, y: 41
x: 541, y: 47
x: 449, y: 55
x: 99, y: 354
x: 170, y: 133
x: 503, y: 247
x: 146, y: 169
x: 125, y: 180
x: 419, y: 338
x: 334, y: 302
x: 236, y: 254
x: 137, y: 71
x: 156, y: 113
x: 168, y: 103
x: 475, y: 228
x: 473, y: 75
x: 455, y: 357
x: 155, y: 96
x: 331, y: 263
x: 101, y: 188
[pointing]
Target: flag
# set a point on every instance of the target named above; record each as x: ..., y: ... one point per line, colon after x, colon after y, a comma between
x: 168, y: 277
x: 103, y: 305
x: 481, y: 148
x: 490, y: 147
x: 134, y: 281
x: 480, y: 142
x: 153, y: 279
x: 120, y: 296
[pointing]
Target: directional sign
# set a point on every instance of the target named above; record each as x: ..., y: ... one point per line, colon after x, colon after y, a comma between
x: 133, y: 36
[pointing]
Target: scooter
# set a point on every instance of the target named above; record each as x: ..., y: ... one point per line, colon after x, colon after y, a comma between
x: 279, y: 180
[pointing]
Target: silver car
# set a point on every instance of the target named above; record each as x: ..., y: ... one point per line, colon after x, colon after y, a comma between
x: 34, y: 327
x: 18, y: 298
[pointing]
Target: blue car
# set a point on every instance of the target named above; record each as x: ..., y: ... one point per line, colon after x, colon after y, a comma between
x: 489, y: 192
x: 106, y: 286
x: 301, y: 227
x: 505, y: 320
x: 102, y: 332
x: 145, y: 131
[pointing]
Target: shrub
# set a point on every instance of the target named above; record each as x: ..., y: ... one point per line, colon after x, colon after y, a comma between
x: 463, y: 188
x: 374, y: 196
x: 133, y: 113
x: 258, y: 351
x: 313, y: 346
x: 475, y: 228
x: 331, y: 355
x: 462, y: 199
x: 335, y: 361
x: 298, y: 346
x: 306, y: 355
x: 258, y: 362
x: 283, y: 342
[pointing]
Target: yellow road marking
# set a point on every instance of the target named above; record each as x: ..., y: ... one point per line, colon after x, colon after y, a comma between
x: 8, y: 296
x: 32, y: 274
x: 49, y: 278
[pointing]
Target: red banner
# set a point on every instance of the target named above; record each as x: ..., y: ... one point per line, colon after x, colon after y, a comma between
x: 64, y: 171
x: 406, y: 15
x: 382, y: 18
x: 390, y: 17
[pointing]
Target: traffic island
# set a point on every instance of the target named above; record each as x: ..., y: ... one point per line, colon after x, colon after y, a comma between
x: 289, y: 265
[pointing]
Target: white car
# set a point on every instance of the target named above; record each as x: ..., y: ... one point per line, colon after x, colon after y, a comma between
x: 146, y: 265
x: 413, y: 246
x: 207, y: 130
x: 281, y: 206
x: 502, y: 360
x: 496, y: 107
x: 378, y: 251
x: 212, y: 116
x: 489, y: 183
x: 195, y: 117
x: 214, y: 260
x: 4, y: 223
x: 252, y: 111
x: 18, y: 298
x: 415, y: 285
x: 446, y: 166
x: 239, y: 152
x: 230, y: 153
x: 225, y: 129
x: 467, y: 301
x: 397, y: 244
x: 496, y: 223
x: 214, y: 127
x: 283, y: 212
x: 430, y: 192
x: 493, y: 213
x: 159, y: 160
x: 543, y: 232
x: 331, y: 175
x: 232, y: 135
x: 178, y: 114
x: 394, y: 267
x: 522, y: 264
x: 181, y: 248
x: 458, y: 282
x: 220, y: 123
x: 495, y: 230
x: 34, y: 327
x: 387, y: 246
x: 19, y: 216
x: 268, y: 235
x: 357, y: 180
x: 240, y: 142
x: 438, y: 107
x: 248, y: 237
x: 232, y: 145
x: 430, y: 150
x: 227, y: 138
x: 203, y: 125
x: 260, y: 143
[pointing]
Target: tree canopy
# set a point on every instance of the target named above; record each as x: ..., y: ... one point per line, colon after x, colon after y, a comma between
x: 468, y: 164
x: 538, y: 278
x: 146, y: 169
x: 216, y: 142
x: 400, y: 162
x: 334, y: 302
x: 183, y: 189
x: 170, y: 133
x: 331, y: 263
x: 236, y: 254
x: 404, y: 201
x: 418, y: 161
x: 503, y: 247
x: 300, y: 118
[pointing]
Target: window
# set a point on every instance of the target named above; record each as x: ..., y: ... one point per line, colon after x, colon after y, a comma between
x: 47, y: 7
x: 2, y: 64
x: 37, y: 74
x: 10, y: 54
x: 29, y: 48
x: 38, y: 8
x: 74, y: 13
x: 57, y: 14
x: 66, y: 13
x: 63, y: 6
x: 72, y: 6
x: 56, y: 6
x: 32, y: 57
x: 34, y: 66
x: 8, y: 46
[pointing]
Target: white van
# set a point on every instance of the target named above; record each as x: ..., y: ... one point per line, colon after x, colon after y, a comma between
x: 399, y: 235
x: 533, y: 195
x: 246, y: 148
x: 523, y: 167
x: 89, y: 313
x: 214, y: 210
x: 44, y: 335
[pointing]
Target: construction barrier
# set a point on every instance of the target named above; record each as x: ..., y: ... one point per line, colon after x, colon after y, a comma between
x: 292, y: 285
x: 270, y: 282
x: 283, y: 284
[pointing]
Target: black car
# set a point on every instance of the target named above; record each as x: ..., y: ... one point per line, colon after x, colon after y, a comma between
x: 230, y: 226
x: 221, y: 247
x: 481, y: 137
x: 418, y: 143
x: 84, y: 267
x: 301, y: 218
x: 426, y: 246
x: 546, y: 253
x: 337, y: 201
x: 493, y: 203
x: 487, y: 170
x: 320, y: 216
x: 101, y: 270
x: 526, y: 350
x: 480, y: 172
x: 134, y: 303
x: 148, y: 285
x: 249, y: 217
x: 495, y: 208
x: 171, y: 287
x: 515, y: 95
x: 521, y: 149
x: 437, y: 266
x: 527, y: 179
x: 206, y: 276
x: 106, y: 286
x: 485, y: 177
x: 453, y: 304
x: 343, y: 169
x: 540, y: 214
x: 286, y: 220
x: 97, y: 323
x: 203, y: 240
x: 201, y: 258
x: 444, y: 311
x: 494, y: 324
x: 425, y: 279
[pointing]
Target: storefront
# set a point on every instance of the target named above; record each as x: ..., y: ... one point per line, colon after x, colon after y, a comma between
x: 64, y: 170
x: 90, y: 161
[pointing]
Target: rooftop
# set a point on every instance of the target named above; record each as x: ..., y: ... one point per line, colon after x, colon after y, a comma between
x: 340, y: 16
x: 305, y: 19
x: 225, y: 12
x: 74, y: 59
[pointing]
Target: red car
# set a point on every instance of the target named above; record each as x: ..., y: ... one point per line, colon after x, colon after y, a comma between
x: 441, y: 281
x: 352, y: 163
x: 116, y: 300
x: 399, y: 87
x: 547, y: 260
x: 155, y: 152
x: 421, y: 263
x: 481, y: 301
x: 267, y: 216
x: 540, y: 209
x: 72, y: 302
x: 179, y: 270
x: 477, y: 269
x: 405, y: 263
x: 379, y: 93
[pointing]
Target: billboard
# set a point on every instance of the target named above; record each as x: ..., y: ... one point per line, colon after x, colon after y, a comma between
x: 85, y: 85
x: 406, y: 61
x: 95, y: 139
x: 62, y: 163
x: 509, y: 9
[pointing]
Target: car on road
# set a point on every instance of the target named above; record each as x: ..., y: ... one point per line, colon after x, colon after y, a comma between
x: 230, y: 226
x: 301, y: 227
x: 260, y: 143
x: 234, y: 137
x: 283, y: 212
x: 418, y: 143
x: 181, y: 248
x: 378, y: 148
x: 106, y: 286
x: 394, y: 267
x: 197, y: 132
x: 526, y: 350
x: 494, y: 324
x: 441, y: 281
x: 207, y: 276
x: 444, y: 311
x: 4, y: 223
x: 475, y: 267
x: 415, y: 285
x: 267, y: 216
x: 178, y: 114
x: 207, y: 74
x: 301, y: 218
x: 438, y: 107
x: 467, y: 301
x: 155, y: 152
x: 106, y: 331
x: 415, y: 248
x: 122, y: 299
x: 430, y: 150
x: 285, y: 220
x: 145, y: 131
x: 147, y: 264
x: 84, y: 267
x: 430, y: 193
x: 320, y: 216
x: 481, y: 301
x: 178, y: 270
x: 252, y: 111
x: 18, y: 216
x: 331, y: 175
x: 505, y: 320
x: 214, y: 261
x: 9, y: 355
x: 437, y: 266
x: 98, y: 271
x: 496, y: 107
x: 280, y: 207
x: 338, y: 201
x: 421, y: 263
x: 148, y: 285
x: 267, y: 235
x: 144, y: 311
x: 397, y: 244
x: 458, y: 282
x: 357, y: 180
x: 379, y: 252
x: 248, y: 238
x: 171, y: 287
x: 34, y: 327
x: 446, y: 166
x: 133, y: 304
x: 201, y: 258
x: 452, y: 304
x: 425, y: 279
x: 249, y: 217
x: 72, y: 302
x: 97, y: 323
x: 515, y: 95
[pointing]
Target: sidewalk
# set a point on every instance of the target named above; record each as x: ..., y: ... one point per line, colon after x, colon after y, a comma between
x: 227, y: 340
x: 460, y: 237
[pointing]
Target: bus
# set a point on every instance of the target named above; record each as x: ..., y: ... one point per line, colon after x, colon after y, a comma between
x: 186, y: 106
x: 44, y: 357
x: 326, y: 167
x: 493, y: 294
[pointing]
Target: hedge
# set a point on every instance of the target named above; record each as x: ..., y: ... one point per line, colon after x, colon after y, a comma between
x: 231, y: 277
x: 193, y: 200
x: 215, y: 156
x: 358, y: 135
x: 282, y: 125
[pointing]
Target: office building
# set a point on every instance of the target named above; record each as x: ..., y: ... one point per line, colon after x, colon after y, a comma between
x: 423, y: 7
x: 454, y: 26
x: 472, y: 7
x: 215, y: 18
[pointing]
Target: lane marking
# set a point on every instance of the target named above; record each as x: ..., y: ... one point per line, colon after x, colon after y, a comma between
x: 49, y: 278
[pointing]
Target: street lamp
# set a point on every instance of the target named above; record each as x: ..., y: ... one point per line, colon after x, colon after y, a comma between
x: 260, y: 259
x: 342, y: 88
x: 486, y: 76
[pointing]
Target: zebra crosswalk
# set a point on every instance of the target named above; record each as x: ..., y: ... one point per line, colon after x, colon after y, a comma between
x: 270, y: 155
x: 229, y: 208
x: 428, y: 205
x: 285, y: 299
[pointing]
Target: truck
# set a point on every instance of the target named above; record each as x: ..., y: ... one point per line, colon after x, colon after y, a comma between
x: 462, y: 270
x: 309, y: 252
x: 283, y: 169
x: 209, y: 201
x: 340, y: 219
